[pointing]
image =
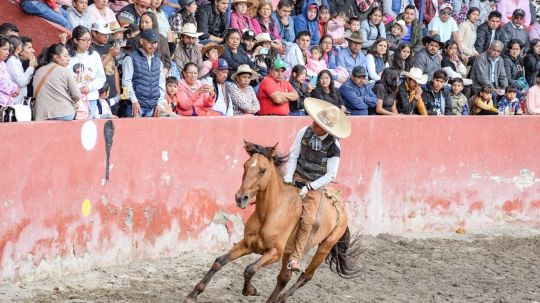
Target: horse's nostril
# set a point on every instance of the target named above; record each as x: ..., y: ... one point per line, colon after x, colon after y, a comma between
x: 245, y: 198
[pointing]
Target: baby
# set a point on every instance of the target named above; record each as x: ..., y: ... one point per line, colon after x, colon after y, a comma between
x: 394, y: 35
x: 316, y: 63
x: 336, y: 29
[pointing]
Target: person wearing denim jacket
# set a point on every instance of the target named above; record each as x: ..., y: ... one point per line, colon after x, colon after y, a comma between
x: 286, y: 32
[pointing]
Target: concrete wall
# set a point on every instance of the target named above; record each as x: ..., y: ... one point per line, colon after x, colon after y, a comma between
x: 172, y: 183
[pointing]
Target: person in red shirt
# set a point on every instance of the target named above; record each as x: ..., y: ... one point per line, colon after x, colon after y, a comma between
x: 275, y: 92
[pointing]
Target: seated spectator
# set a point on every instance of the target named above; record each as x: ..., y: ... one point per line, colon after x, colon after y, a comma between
x: 248, y: 43
x: 444, y: 25
x: 386, y: 91
x: 395, y: 34
x: 357, y: 97
x: 309, y: 21
x: 142, y: 75
x: 488, y: 31
x: 298, y: 82
x: 324, y: 17
x: 507, y: 7
x: 240, y: 18
x: 393, y: 8
x: 298, y: 53
x: 186, y: 14
x: 402, y: 58
x: 409, y: 96
x: 8, y: 29
x: 515, y: 30
x: 316, y: 64
x: 532, y: 104
x: 210, y: 53
x: 163, y: 25
x: 353, y: 25
x: 263, y: 23
x: 428, y: 59
x: 509, y: 104
x: 148, y: 20
x: 329, y: 53
x: 218, y: 78
x: 275, y: 92
x: 377, y: 59
x: 233, y: 53
x: 532, y: 62
x: 196, y: 97
x: 242, y: 95
x: 482, y: 103
x: 514, y: 66
x: 534, y: 30
x: 414, y: 34
x: 352, y: 56
x: 284, y: 22
x: 15, y: 66
x: 100, y: 10
x: 336, y: 30
x: 48, y: 10
x: 132, y: 13
x: 435, y: 98
x: 488, y: 69
x: 173, y: 97
x: 212, y: 20
x: 9, y: 89
x: 55, y: 89
x: 372, y: 28
x: 454, y: 67
x: 467, y: 32
x: 326, y: 89
x: 78, y: 15
x: 460, y: 105
x: 187, y: 49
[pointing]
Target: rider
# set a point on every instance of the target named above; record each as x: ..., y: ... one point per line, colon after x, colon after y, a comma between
x: 313, y: 163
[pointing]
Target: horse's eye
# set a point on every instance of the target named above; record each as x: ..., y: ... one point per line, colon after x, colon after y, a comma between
x: 263, y: 170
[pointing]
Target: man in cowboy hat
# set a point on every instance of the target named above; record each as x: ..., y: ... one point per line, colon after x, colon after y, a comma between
x: 352, y: 55
x: 213, y: 21
x: 428, y: 59
x: 409, y: 96
x: 187, y: 49
x: 313, y: 164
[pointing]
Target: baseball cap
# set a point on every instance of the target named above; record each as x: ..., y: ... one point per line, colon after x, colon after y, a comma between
x: 150, y: 35
x: 359, y: 71
x: 445, y: 6
x: 220, y: 64
x: 249, y: 34
x: 279, y: 63
x: 101, y: 26
x: 518, y: 12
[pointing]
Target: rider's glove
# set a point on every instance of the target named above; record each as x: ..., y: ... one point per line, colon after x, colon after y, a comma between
x: 303, y: 192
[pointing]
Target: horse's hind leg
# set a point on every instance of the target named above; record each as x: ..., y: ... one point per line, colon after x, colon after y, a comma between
x: 239, y: 250
x: 267, y: 258
x: 282, y: 279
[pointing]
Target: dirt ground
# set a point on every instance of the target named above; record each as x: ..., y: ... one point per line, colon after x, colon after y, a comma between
x: 448, y: 268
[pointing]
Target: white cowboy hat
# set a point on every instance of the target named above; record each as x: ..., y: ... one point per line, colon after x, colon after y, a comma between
x: 328, y: 116
x: 244, y: 69
x: 249, y: 3
x: 262, y: 37
x: 189, y: 29
x: 401, y: 24
x: 416, y: 74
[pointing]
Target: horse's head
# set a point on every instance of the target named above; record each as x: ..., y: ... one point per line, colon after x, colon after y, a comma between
x: 258, y: 170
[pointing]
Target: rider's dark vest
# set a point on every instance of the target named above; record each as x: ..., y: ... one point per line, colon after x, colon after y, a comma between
x: 312, y: 164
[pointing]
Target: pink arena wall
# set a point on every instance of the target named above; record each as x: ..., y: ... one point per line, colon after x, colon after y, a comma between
x: 172, y: 183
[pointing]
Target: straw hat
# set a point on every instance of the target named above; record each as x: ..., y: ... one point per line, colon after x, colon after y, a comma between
x: 211, y: 45
x: 244, y: 69
x: 416, y: 74
x: 262, y: 37
x: 189, y: 29
x: 249, y: 3
x: 115, y: 27
x: 328, y: 116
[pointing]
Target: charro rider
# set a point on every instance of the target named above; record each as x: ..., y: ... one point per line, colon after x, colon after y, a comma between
x: 313, y: 163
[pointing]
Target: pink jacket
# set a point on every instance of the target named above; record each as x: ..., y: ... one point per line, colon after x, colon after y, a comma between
x: 7, y: 86
x: 256, y: 26
x: 316, y: 66
x: 190, y: 101
x: 240, y: 22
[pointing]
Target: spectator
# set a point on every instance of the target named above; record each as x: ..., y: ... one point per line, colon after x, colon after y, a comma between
x: 118, y: 5
x: 324, y: 17
x: 8, y: 29
x: 482, y: 103
x: 242, y: 95
x: 392, y: 8
x: 309, y: 21
x: 326, y: 89
x: 210, y: 53
x: 78, y: 15
x: 148, y: 20
x: 248, y: 43
x: 263, y: 23
x: 196, y: 97
x: 348, y: 7
x: 298, y: 82
x: 100, y: 43
x: 104, y: 110
x: 173, y: 97
x: 514, y: 66
x: 328, y: 51
x: 186, y: 14
x: 46, y: 9
x: 444, y: 25
x: 240, y: 18
x: 386, y: 91
x: 377, y: 59
x: 9, y: 89
x: 352, y: 56
x: 372, y: 28
x: 275, y: 92
x: 356, y: 96
x: 534, y: 30
x: 488, y: 32
x: 163, y: 25
x: 515, y: 30
x: 509, y: 104
x: 532, y: 62
x: 428, y: 59
x: 435, y: 98
x: 467, y: 33
x: 100, y: 10
x: 402, y: 58
x: 316, y: 64
x: 353, y: 25
x: 336, y: 30
x: 298, y: 53
x: 55, y: 89
x: 142, y: 75
x: 486, y: 7
x: 284, y: 22
x: 92, y: 73
x: 395, y: 34
x: 460, y: 105
x: 409, y: 96
x: 533, y: 98
x: 414, y: 29
x: 212, y: 20
x: 507, y: 6
x: 187, y: 50
x: 488, y: 69
x: 218, y: 77
x: 451, y: 62
x: 15, y: 67
x: 233, y: 53
x: 132, y: 13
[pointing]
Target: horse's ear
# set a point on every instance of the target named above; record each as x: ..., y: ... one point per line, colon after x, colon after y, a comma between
x: 248, y: 147
x: 272, y: 152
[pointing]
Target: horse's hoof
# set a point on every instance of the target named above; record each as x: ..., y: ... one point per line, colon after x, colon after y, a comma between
x: 250, y: 291
x: 190, y: 300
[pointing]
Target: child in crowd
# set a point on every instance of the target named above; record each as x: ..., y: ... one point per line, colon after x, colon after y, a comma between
x: 103, y: 107
x: 336, y: 29
x: 298, y: 81
x: 81, y: 107
x: 172, y: 92
x: 210, y: 53
x: 353, y: 25
x: 77, y: 15
x: 317, y: 62
x: 459, y: 101
x: 509, y: 104
x: 482, y: 103
x: 394, y: 35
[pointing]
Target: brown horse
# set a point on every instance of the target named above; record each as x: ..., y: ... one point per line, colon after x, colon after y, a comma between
x: 271, y: 230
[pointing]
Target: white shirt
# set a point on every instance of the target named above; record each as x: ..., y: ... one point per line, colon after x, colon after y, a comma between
x: 444, y: 29
x: 220, y: 105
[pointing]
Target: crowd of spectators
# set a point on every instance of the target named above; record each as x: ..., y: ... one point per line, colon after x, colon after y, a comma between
x: 162, y: 58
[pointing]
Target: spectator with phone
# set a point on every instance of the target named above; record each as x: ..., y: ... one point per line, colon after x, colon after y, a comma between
x: 108, y: 51
x: 196, y: 97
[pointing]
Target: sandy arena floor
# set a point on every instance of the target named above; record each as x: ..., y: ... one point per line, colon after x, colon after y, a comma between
x: 449, y: 268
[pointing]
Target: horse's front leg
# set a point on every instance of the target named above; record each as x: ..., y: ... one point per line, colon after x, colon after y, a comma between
x: 239, y: 250
x: 267, y: 258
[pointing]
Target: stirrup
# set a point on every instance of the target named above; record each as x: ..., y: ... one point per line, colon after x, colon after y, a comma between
x: 293, y: 265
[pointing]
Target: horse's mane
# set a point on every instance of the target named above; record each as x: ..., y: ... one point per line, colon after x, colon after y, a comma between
x: 278, y: 159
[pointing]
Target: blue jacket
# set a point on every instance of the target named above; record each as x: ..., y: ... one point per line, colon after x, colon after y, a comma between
x: 287, y: 34
x: 357, y: 99
x: 301, y: 23
x: 145, y: 79
x: 345, y: 59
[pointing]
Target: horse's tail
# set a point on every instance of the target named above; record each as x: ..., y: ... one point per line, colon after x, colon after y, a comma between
x: 344, y: 256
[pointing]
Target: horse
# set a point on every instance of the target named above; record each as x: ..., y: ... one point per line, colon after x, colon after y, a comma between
x: 271, y: 230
